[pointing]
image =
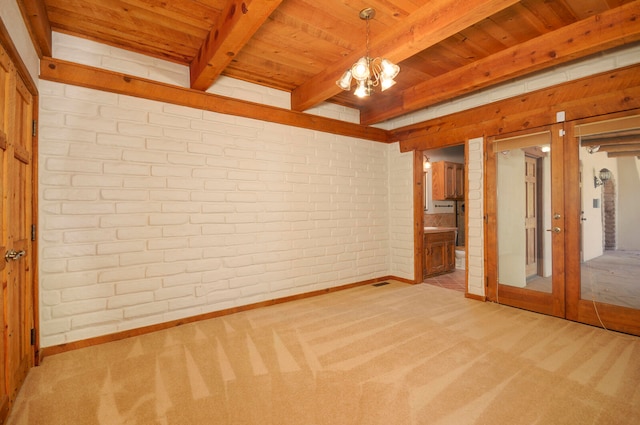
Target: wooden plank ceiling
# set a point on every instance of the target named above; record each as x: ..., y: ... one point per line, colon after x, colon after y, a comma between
x: 445, y: 48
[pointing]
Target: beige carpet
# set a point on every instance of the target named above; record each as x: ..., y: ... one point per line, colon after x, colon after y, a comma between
x: 394, y: 354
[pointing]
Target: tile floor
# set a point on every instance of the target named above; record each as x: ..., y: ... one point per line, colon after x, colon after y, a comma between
x: 455, y: 280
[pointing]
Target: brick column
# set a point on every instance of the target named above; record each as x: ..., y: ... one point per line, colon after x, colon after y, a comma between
x: 609, y: 214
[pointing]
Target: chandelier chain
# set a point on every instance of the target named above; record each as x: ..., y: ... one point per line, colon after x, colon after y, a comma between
x: 367, y: 42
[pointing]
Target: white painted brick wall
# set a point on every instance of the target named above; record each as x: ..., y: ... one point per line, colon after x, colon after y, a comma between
x: 98, y: 55
x: 401, y: 212
x: 152, y: 212
x: 90, y: 53
x: 475, y: 217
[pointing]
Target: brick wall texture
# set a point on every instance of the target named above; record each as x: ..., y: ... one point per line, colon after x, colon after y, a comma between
x: 151, y: 212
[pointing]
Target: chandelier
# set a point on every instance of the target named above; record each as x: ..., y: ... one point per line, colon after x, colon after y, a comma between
x: 369, y: 72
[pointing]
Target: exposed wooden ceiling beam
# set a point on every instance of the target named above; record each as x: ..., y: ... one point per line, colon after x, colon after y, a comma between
x: 35, y: 16
x: 237, y: 23
x: 600, y: 32
x: 621, y: 148
x: 611, y: 92
x: 432, y: 23
x: 621, y: 154
x: 616, y: 140
x: 115, y: 82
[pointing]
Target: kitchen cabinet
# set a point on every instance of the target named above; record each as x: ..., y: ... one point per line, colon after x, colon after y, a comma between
x: 447, y: 181
x: 439, y: 252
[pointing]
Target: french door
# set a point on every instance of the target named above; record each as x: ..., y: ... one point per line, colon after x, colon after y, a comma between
x: 563, y: 234
x: 603, y: 263
x: 526, y: 219
x: 17, y: 311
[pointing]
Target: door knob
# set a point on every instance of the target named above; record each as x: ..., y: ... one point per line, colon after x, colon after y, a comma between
x: 12, y: 254
x: 554, y: 230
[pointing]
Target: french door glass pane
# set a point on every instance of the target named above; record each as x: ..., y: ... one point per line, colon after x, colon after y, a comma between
x: 610, y: 220
x: 524, y: 214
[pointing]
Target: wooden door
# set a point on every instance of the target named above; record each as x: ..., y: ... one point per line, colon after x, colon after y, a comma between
x: 531, y: 215
x: 4, y: 89
x: 16, y: 210
x: 602, y: 285
x: 512, y: 202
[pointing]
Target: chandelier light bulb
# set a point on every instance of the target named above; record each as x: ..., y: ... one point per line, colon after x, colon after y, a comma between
x: 345, y: 81
x: 361, y: 89
x: 389, y: 69
x: 385, y: 82
x: 360, y: 69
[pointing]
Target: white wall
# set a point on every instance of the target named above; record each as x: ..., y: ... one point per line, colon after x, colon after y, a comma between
x: 475, y: 216
x: 628, y: 212
x: 400, y: 212
x: 151, y: 212
x: 592, y: 227
x: 12, y: 20
x: 511, y: 218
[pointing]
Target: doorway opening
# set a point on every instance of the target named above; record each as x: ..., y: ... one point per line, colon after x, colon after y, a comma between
x: 444, y: 219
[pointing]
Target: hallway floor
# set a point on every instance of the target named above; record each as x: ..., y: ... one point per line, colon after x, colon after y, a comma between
x: 455, y: 280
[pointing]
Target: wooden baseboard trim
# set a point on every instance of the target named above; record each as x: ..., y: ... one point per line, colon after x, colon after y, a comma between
x: 400, y: 279
x: 475, y: 297
x: 57, y: 349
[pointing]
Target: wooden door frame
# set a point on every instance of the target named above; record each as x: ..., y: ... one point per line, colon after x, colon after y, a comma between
x: 418, y: 212
x: 546, y: 303
x: 31, y: 86
x: 418, y: 215
x: 535, y: 160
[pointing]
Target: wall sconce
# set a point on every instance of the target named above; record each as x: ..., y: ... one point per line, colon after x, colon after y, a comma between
x: 425, y: 163
x: 602, y: 178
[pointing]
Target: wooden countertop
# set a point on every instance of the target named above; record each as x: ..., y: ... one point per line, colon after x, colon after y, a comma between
x: 440, y: 229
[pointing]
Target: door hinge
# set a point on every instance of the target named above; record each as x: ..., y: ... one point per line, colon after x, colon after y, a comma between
x: 33, y: 336
x: 33, y: 232
x: 34, y: 128
x: 486, y: 281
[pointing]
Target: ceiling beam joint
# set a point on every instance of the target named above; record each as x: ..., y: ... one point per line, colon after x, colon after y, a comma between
x: 238, y: 22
